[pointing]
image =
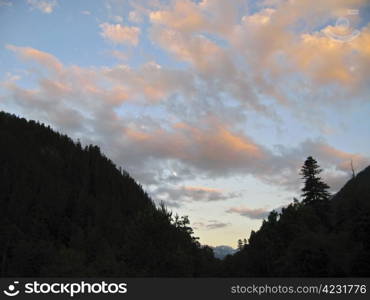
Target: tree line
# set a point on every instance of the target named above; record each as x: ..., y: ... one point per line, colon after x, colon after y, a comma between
x: 319, y: 236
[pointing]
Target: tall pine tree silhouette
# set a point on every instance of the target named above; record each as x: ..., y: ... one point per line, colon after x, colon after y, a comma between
x: 314, y: 189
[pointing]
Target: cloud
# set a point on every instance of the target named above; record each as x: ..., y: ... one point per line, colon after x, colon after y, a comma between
x: 210, y: 225
x: 196, y: 121
x: 279, y: 40
x: 82, y: 102
x: 332, y: 61
x: 193, y: 17
x: 287, y: 161
x: 150, y: 82
x: 210, y: 146
x: 45, y: 6
x: 119, y: 34
x: 215, y: 150
x: 251, y: 213
x: 254, y: 213
x: 185, y: 194
x: 290, y: 38
x: 114, y: 85
x: 184, y: 15
x: 120, y: 55
x: 213, y: 64
x: 45, y: 59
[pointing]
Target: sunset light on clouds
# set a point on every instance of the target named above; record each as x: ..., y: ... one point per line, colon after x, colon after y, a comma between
x: 212, y: 105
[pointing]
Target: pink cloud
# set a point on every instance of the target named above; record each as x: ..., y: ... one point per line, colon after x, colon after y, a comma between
x: 41, y: 57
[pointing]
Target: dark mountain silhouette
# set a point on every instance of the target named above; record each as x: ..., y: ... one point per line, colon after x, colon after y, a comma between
x: 352, y: 220
x: 306, y: 240
x: 68, y: 211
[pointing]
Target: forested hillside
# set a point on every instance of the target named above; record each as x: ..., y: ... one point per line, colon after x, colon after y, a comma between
x: 312, y: 238
x: 67, y: 210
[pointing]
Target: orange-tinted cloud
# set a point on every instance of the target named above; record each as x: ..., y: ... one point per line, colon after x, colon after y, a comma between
x: 240, y: 61
x: 184, y: 16
x: 211, y: 146
x: 41, y: 57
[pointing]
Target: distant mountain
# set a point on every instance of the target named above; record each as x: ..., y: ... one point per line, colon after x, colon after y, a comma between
x: 66, y: 210
x: 222, y: 251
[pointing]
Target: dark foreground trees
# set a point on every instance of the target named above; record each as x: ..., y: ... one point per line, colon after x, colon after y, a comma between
x: 68, y: 211
x: 315, y: 237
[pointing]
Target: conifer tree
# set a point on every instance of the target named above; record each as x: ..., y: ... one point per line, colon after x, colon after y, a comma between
x: 314, y: 189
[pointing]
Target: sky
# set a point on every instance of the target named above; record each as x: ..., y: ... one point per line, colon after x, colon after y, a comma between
x: 211, y: 105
